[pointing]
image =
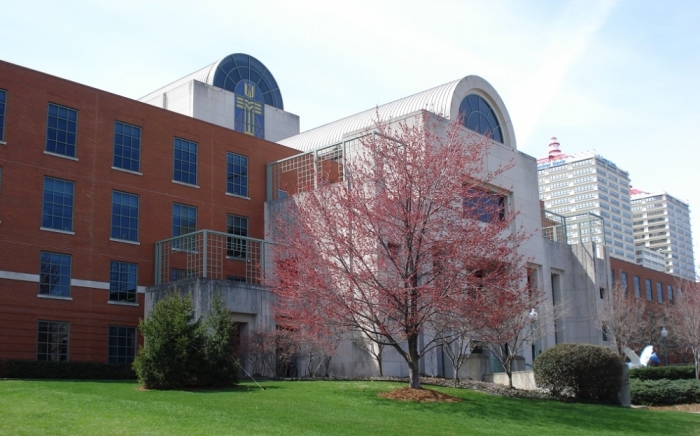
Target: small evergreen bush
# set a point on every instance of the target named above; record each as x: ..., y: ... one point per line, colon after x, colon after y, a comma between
x: 180, y: 351
x: 663, y: 372
x: 655, y: 392
x: 583, y: 371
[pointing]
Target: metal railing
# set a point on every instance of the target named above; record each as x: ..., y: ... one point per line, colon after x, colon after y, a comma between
x: 585, y: 227
x: 211, y: 254
x: 554, y: 226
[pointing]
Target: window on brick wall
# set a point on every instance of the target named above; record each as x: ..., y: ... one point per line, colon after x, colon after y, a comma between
x: 125, y: 216
x: 647, y: 285
x: 237, y: 247
x: 185, y: 161
x: 659, y: 292
x: 236, y: 174
x: 3, y: 102
x: 54, y: 274
x: 127, y: 146
x: 184, y: 222
x: 57, y: 209
x: 637, y: 287
x: 123, y: 279
x: 52, y: 341
x: 61, y: 130
x: 122, y: 344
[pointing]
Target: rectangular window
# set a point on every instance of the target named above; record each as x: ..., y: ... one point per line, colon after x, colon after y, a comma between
x: 184, y: 222
x: 54, y: 274
x: 237, y: 247
x: 125, y: 216
x: 122, y: 344
x: 123, y: 281
x: 669, y: 293
x: 52, y: 341
x: 61, y: 130
x: 659, y: 292
x: 57, y: 210
x: 181, y: 274
x: 484, y: 206
x: 185, y: 162
x: 647, y: 285
x: 3, y: 102
x: 623, y: 280
x: 637, y: 287
x: 127, y: 146
x: 236, y: 174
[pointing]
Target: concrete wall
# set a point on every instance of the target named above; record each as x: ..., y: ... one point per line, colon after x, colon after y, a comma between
x: 521, y: 379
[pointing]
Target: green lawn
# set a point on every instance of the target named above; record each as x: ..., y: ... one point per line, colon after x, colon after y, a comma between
x: 302, y: 408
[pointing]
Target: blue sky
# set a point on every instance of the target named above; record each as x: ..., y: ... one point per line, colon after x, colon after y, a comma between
x: 618, y: 77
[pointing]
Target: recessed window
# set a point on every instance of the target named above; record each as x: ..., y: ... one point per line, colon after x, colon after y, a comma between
x: 669, y: 293
x: 185, y: 163
x: 57, y: 210
x: 637, y: 287
x: 3, y: 102
x: 54, y: 274
x: 647, y: 284
x: 125, y: 216
x: 623, y: 281
x: 476, y: 114
x: 184, y: 222
x: 127, y: 146
x: 484, y: 206
x: 659, y: 292
x: 237, y: 247
x: 122, y: 344
x: 236, y: 174
x: 123, y: 282
x: 61, y: 131
x: 52, y: 341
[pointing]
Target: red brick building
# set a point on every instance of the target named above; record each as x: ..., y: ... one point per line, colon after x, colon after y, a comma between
x: 89, y: 181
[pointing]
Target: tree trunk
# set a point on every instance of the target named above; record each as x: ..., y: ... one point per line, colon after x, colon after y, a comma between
x: 379, y: 363
x: 413, y: 363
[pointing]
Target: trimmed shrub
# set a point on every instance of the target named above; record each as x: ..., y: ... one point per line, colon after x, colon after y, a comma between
x: 583, y: 371
x: 655, y: 392
x: 663, y: 372
x: 36, y: 369
x: 180, y: 351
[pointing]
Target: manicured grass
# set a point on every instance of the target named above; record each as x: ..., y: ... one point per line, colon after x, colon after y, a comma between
x: 305, y: 408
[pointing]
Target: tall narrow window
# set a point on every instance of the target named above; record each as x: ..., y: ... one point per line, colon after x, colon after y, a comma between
x: 659, y: 292
x: 122, y: 344
x: 669, y: 293
x: 185, y: 161
x: 237, y: 247
x: 127, y: 146
x: 54, y: 274
x: 647, y: 285
x: 125, y: 216
x: 184, y: 222
x: 637, y: 287
x: 123, y: 282
x: 623, y: 281
x: 236, y: 174
x: 61, y: 130
x: 52, y: 341
x: 3, y: 102
x: 57, y: 210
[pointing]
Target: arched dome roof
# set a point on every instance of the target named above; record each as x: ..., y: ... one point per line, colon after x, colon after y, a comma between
x: 444, y: 100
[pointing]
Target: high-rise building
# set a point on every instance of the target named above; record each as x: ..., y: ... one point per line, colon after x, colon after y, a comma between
x: 662, y: 233
x: 586, y: 189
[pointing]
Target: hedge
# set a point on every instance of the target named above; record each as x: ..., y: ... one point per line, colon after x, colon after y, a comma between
x: 655, y: 392
x: 36, y: 369
x: 583, y: 371
x: 663, y: 372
